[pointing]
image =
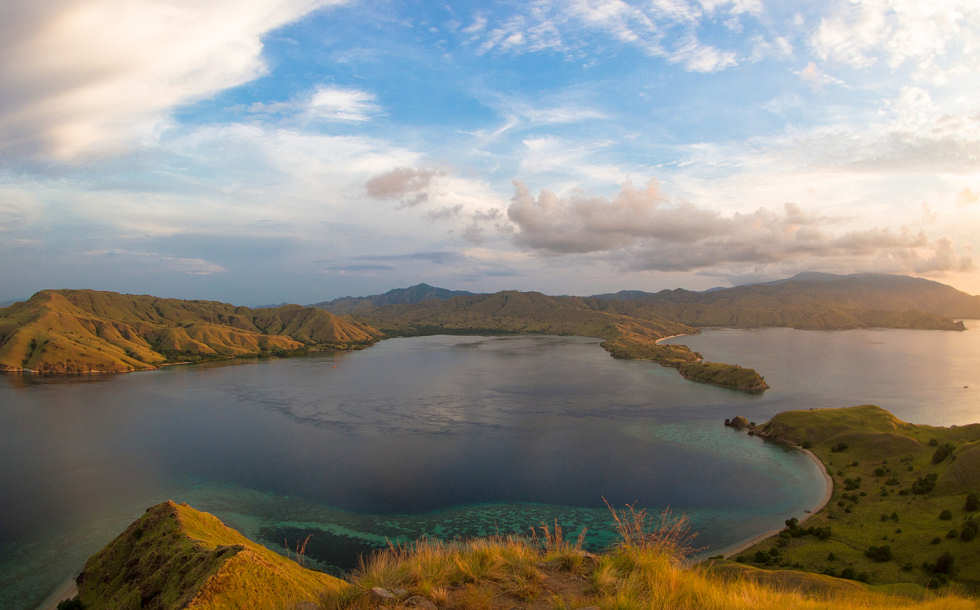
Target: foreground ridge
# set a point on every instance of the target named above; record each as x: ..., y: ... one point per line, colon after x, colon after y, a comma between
x: 177, y: 557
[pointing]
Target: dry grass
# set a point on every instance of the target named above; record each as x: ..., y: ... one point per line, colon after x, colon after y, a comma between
x: 645, y: 570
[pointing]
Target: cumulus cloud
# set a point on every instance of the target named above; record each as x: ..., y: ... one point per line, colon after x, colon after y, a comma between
x: 967, y: 197
x: 862, y: 34
x: 643, y: 230
x: 408, y: 184
x: 97, y: 76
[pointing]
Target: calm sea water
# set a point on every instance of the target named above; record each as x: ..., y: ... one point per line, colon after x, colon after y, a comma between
x: 444, y: 436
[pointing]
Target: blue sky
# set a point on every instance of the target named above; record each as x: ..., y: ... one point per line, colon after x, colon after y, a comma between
x: 298, y: 150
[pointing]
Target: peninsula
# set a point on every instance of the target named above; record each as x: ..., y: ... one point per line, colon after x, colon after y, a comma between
x: 904, y: 508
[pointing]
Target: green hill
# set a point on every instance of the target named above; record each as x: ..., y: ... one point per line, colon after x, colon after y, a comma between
x: 87, y: 331
x: 904, y: 507
x: 176, y: 557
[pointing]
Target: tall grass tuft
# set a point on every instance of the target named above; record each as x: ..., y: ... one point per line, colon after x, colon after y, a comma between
x: 671, y: 535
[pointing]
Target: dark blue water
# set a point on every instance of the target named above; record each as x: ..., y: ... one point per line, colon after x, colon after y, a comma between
x: 444, y: 436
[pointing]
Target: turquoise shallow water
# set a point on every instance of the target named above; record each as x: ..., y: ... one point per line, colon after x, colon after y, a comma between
x: 439, y: 436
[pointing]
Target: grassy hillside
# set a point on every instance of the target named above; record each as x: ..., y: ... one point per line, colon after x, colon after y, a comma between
x: 85, y: 331
x: 513, y: 312
x: 176, y: 557
x: 813, y: 301
x: 904, y: 507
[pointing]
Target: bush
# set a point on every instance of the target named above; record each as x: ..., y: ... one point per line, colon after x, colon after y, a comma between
x: 952, y: 534
x: 942, y: 452
x: 972, y: 503
x: 924, y: 485
x: 933, y: 442
x: 945, y: 515
x: 879, y: 553
x: 935, y: 541
x: 852, y: 484
x: 839, y: 447
x: 944, y: 564
x: 969, y: 531
x: 71, y: 604
x: 880, y: 472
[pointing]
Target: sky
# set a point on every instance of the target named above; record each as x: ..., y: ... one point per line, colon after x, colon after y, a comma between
x: 299, y: 150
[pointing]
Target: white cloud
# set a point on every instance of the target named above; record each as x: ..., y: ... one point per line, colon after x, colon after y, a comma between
x: 862, y: 34
x: 817, y: 78
x: 340, y: 104
x: 94, y: 77
x: 644, y: 230
x: 178, y: 264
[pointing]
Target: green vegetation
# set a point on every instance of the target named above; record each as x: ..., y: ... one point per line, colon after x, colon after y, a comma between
x: 898, y: 513
x: 86, y: 331
x: 176, y: 557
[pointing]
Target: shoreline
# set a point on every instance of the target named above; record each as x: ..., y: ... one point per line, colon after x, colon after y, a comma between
x: 738, y: 547
x: 657, y: 342
x: 65, y: 590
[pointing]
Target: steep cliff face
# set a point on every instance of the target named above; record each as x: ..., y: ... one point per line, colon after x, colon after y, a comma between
x: 177, y: 557
x: 87, y: 331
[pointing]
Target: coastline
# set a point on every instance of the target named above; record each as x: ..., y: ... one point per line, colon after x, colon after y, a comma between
x: 65, y: 590
x: 657, y: 342
x: 737, y: 548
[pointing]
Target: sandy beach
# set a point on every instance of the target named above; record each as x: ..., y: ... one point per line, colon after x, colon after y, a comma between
x: 828, y: 492
x: 670, y: 337
x: 65, y: 590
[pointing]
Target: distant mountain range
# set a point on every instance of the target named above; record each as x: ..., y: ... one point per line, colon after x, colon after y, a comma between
x: 809, y: 301
x: 806, y: 301
x: 86, y: 331
x: 82, y: 331
x: 399, y: 296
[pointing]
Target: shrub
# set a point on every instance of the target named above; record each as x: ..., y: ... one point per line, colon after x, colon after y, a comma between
x: 852, y: 484
x: 942, y: 452
x: 831, y: 557
x: 933, y: 442
x: 880, y: 472
x: 924, y: 485
x: 972, y: 503
x: 952, y: 534
x: 879, y: 553
x: 969, y: 531
x: 944, y: 564
x: 945, y: 515
x: 807, y: 444
x: 935, y: 541
x: 71, y: 604
x: 839, y: 447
